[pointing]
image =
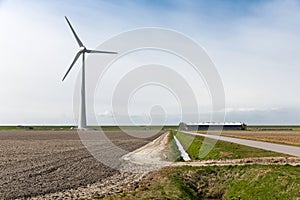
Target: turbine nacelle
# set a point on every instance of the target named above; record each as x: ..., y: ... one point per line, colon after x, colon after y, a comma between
x: 82, y: 49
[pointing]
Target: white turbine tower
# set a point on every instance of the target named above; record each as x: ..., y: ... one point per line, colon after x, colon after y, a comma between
x: 82, y: 51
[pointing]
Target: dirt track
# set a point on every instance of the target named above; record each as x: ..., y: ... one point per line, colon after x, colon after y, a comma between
x: 39, y: 162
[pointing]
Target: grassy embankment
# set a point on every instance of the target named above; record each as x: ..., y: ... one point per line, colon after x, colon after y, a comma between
x: 221, y: 149
x: 219, y: 182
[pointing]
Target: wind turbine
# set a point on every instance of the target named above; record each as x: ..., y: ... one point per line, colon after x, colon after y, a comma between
x: 82, y: 51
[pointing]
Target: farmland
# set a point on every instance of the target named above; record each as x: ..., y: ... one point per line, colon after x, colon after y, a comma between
x: 291, y: 137
x: 39, y: 162
x: 52, y: 163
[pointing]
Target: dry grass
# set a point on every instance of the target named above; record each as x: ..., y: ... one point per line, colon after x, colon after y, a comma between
x: 217, y: 182
x: 283, y: 137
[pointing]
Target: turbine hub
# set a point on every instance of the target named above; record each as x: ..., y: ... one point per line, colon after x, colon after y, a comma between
x: 82, y: 49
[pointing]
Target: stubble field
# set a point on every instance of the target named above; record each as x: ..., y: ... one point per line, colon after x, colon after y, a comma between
x: 290, y: 137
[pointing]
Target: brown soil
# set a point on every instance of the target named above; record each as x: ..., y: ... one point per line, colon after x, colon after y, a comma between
x: 35, y: 163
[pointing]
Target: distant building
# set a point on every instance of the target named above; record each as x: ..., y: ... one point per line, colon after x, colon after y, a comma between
x: 212, y: 126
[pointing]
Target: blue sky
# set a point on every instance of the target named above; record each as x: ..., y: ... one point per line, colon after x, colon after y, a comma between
x: 254, y: 45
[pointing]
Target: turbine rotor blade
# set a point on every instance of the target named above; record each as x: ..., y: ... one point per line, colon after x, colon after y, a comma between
x: 75, y: 59
x: 76, y: 37
x: 95, y: 51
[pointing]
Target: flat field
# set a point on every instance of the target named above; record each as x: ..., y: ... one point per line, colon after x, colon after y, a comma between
x: 39, y: 162
x: 291, y: 137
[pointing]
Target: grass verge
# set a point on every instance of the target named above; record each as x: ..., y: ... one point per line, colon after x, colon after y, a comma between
x: 172, y: 151
x: 221, y: 149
